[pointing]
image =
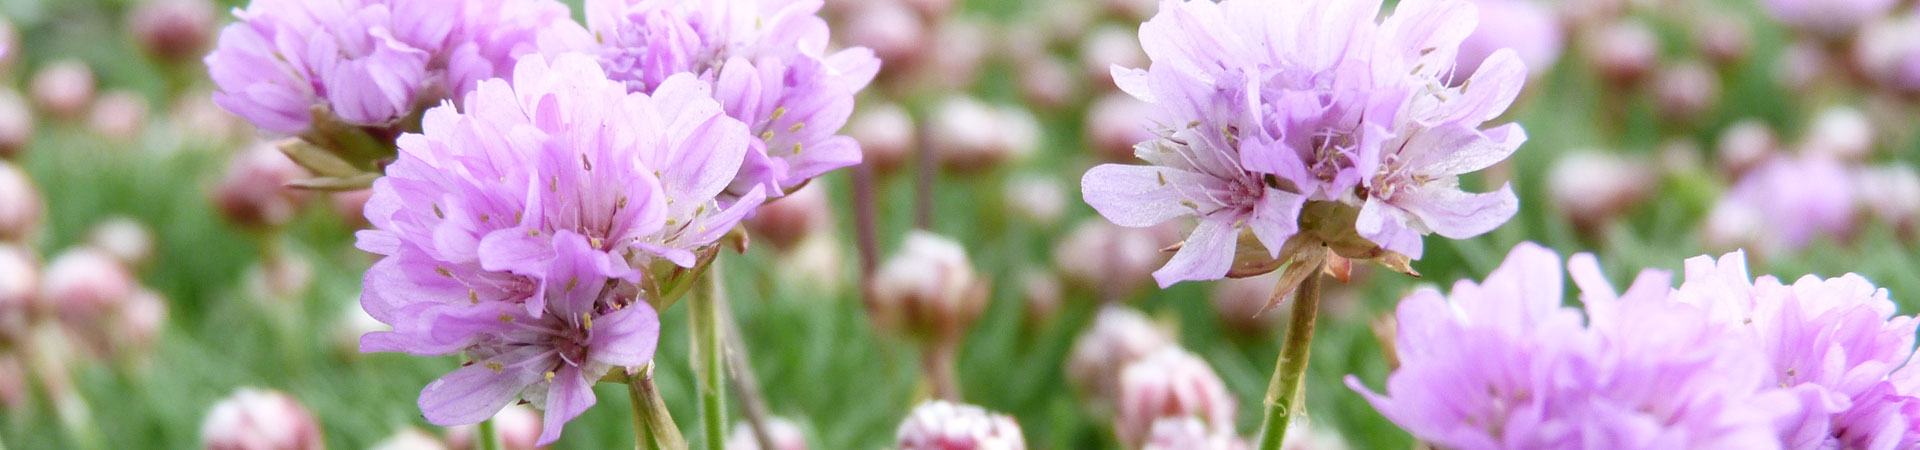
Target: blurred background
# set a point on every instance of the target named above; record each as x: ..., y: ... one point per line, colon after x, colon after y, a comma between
x: 152, y: 266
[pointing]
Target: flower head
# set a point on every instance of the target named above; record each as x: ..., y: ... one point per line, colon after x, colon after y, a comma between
x: 938, y: 425
x: 364, y: 62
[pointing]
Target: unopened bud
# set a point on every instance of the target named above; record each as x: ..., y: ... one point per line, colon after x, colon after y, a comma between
x: 1112, y: 260
x: 939, y: 425
x: 1036, y: 199
x: 1118, y: 337
x: 84, y: 287
x: 123, y: 238
x: 1041, y: 296
x: 254, y: 419
x: 1724, y: 38
x: 137, y: 326
x: 1047, y: 83
x: 19, y: 284
x: 969, y: 136
x: 928, y: 289
x: 959, y: 45
x: 892, y: 30
x: 63, y: 89
x: 1115, y: 123
x: 1890, y: 193
x: 21, y: 207
x: 1841, y: 133
x: 1686, y: 91
x: 16, y: 124
x: 1623, y: 51
x: 1591, y: 188
x: 1801, y: 65
x: 173, y: 30
x: 786, y: 221
x: 254, y: 193
x: 1105, y: 48
x: 1171, y: 383
x: 1744, y: 145
x: 1239, y: 302
x: 885, y: 133
x: 118, y: 115
x: 784, y: 434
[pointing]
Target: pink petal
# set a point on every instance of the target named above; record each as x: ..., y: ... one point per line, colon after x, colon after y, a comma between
x: 1207, y: 254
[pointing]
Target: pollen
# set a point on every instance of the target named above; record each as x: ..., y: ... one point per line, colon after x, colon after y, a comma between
x: 496, y: 366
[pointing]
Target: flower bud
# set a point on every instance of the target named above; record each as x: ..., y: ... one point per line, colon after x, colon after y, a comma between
x: 254, y: 193
x: 885, y: 133
x: 137, y: 326
x: 19, y: 283
x: 118, y: 115
x: 928, y: 290
x: 1686, y: 91
x: 123, y: 238
x: 891, y: 29
x: 939, y: 425
x: 1115, y: 123
x: 1528, y: 27
x: 1238, y: 303
x: 1041, y: 295
x: 786, y: 221
x: 1623, y: 51
x: 518, y: 427
x: 1744, y: 145
x: 411, y: 438
x: 63, y: 89
x: 351, y: 207
x: 1591, y: 188
x: 1112, y: 260
x: 1895, y: 197
x: 1723, y: 37
x: 814, y: 265
x: 255, y: 419
x: 1118, y: 337
x: 84, y: 287
x: 1170, y: 383
x: 279, y: 277
x: 1801, y: 65
x: 958, y: 47
x: 1888, y: 52
x: 16, y: 124
x: 20, y: 204
x: 1841, y: 133
x: 1107, y: 47
x: 1047, y: 83
x: 1188, y: 433
x: 1036, y: 199
x: 173, y: 31
x: 968, y: 136
x: 784, y: 434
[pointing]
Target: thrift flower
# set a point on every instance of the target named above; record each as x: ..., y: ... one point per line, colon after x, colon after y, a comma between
x: 938, y: 425
x: 1784, y: 204
x: 361, y: 62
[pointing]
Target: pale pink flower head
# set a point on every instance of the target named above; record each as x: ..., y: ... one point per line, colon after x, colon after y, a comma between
x: 172, y: 30
x: 21, y: 207
x: 254, y: 419
x: 1785, y: 204
x: 63, y: 88
x: 1191, y: 433
x: 939, y: 425
x: 1171, y: 383
x: 254, y: 192
x: 16, y: 124
x: 1829, y: 19
x: 1118, y: 337
x: 784, y: 434
x: 929, y: 289
x: 367, y: 63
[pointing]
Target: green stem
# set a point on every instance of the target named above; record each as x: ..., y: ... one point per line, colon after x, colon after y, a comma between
x: 489, y: 440
x: 1284, y: 393
x: 653, y: 427
x: 709, y: 360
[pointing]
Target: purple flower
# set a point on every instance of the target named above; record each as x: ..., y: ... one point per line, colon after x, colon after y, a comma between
x: 1783, y: 205
x: 769, y: 65
x: 1501, y: 364
x: 1267, y: 106
x: 939, y: 425
x: 494, y: 34
x: 1835, y: 343
x: 365, y: 62
x: 1831, y: 19
x: 510, y: 231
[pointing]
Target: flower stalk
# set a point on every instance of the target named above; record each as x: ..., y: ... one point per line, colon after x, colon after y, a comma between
x: 653, y: 427
x: 1284, y: 393
x: 486, y: 436
x: 703, y: 308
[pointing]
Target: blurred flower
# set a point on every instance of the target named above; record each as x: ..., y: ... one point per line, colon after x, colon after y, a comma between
x: 19, y: 288
x: 1894, y: 195
x: 785, y: 436
x: 14, y: 393
x: 1115, y: 123
x: 351, y: 206
x: 1744, y: 145
x: 254, y: 193
x: 939, y: 425
x: 172, y: 30
x: 1036, y: 199
x: 1841, y: 133
x: 1134, y: 10
x: 86, y: 289
x: 366, y: 62
x: 410, y: 438
x: 1112, y: 260
x: 16, y: 124
x: 768, y: 64
x: 1503, y: 364
x: 954, y: 55
x: 1046, y: 83
x: 1261, y: 121
x: 1117, y: 338
x: 135, y: 331
x: 1107, y: 47
x: 517, y: 426
x: 1835, y: 344
x: 279, y: 280
x: 891, y: 29
x: 507, y: 228
x: 786, y: 222
x: 256, y: 419
x: 63, y: 88
x: 815, y: 265
x: 1591, y: 188
x: 1723, y: 36
x: 931, y: 8
x: 1191, y: 433
x: 1040, y: 295
x: 350, y: 324
x: 1889, y: 52
x: 9, y: 45
x: 929, y: 289
x: 1170, y: 383
x: 969, y: 136
x: 1528, y: 27
x: 202, y: 120
x: 1239, y: 302
x: 1829, y: 19
x: 21, y: 207
x: 1623, y: 51
x: 123, y: 238
x: 1783, y: 205
x: 119, y: 115
x: 1686, y: 91
x: 886, y: 134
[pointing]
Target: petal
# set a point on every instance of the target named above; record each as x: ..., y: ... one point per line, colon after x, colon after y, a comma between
x: 519, y: 250
x: 1489, y: 92
x: 472, y: 394
x: 1454, y: 148
x: 569, y: 395
x: 1207, y: 254
x: 1140, y: 196
x: 1276, y: 218
x: 1456, y: 214
x: 1386, y: 226
x: 625, y: 337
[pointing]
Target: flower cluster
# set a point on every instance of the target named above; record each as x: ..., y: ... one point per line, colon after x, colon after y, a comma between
x: 939, y: 425
x: 1279, y: 119
x: 1724, y: 361
x: 768, y: 62
x: 516, y: 228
